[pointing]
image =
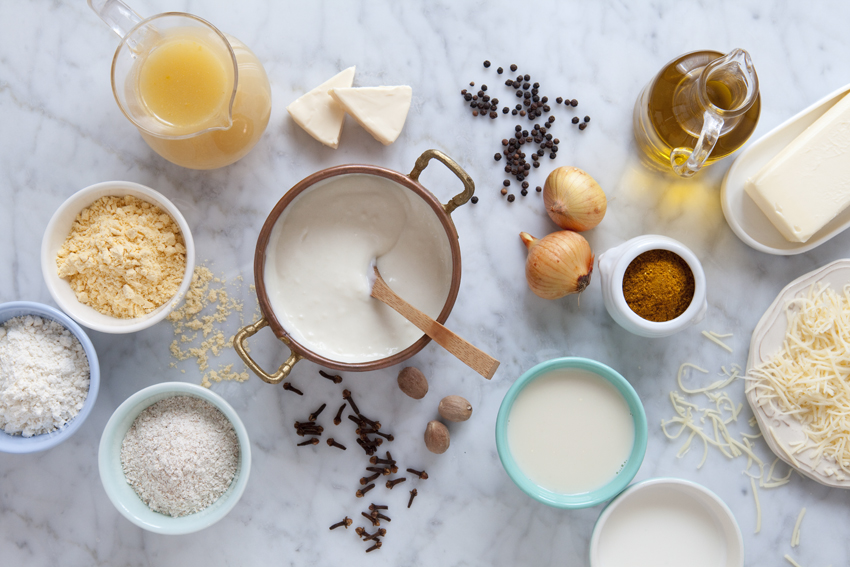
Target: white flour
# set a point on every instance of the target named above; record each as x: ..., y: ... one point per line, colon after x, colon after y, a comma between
x: 44, y: 376
x: 180, y: 455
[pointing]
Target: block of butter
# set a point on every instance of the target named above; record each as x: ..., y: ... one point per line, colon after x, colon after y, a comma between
x: 807, y: 184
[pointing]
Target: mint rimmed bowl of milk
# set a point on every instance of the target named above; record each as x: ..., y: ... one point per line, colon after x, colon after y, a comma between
x: 571, y: 432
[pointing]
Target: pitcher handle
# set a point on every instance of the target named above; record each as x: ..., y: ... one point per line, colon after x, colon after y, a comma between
x: 468, y: 185
x: 117, y: 15
x: 242, y: 351
x: 687, y: 162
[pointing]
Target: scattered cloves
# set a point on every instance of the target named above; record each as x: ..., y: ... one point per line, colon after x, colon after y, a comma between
x: 375, y: 522
x: 336, y: 378
x: 332, y: 443
x: 345, y: 522
x: 291, y: 388
x: 413, y: 494
x: 392, y: 483
x: 387, y: 436
x: 316, y: 413
x: 374, y: 507
x: 381, y: 470
x: 362, y: 491
x: 374, y: 547
x: 313, y: 441
x: 346, y: 395
x: 338, y: 418
x: 421, y: 474
x: 367, y: 479
x: 382, y: 517
x: 381, y: 532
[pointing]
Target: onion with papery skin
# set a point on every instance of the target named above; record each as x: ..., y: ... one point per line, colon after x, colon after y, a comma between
x: 573, y: 199
x: 558, y: 264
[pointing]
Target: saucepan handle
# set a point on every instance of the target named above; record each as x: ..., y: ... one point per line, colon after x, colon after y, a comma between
x: 468, y: 184
x: 242, y: 351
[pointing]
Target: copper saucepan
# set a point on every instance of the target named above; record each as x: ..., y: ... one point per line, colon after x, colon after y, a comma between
x: 411, y: 182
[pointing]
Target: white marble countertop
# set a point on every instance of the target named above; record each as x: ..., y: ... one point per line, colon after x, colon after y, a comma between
x: 61, y: 131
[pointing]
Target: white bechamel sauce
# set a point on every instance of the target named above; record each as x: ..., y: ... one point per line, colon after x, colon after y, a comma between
x: 570, y: 431
x: 661, y: 528
x: 318, y: 264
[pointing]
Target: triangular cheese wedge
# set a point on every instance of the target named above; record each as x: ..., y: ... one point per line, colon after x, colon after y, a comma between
x: 380, y: 110
x: 318, y: 113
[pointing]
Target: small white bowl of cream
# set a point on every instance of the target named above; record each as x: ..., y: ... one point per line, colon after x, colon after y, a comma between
x: 666, y: 522
x: 571, y: 432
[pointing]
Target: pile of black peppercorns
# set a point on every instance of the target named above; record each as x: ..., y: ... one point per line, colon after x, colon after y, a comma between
x: 532, y: 106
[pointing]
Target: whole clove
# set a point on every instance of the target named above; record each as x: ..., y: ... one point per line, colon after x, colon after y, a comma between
x: 381, y: 532
x: 332, y: 443
x: 374, y: 547
x: 344, y: 522
x: 382, y: 517
x: 361, y: 491
x: 338, y: 418
x: 413, y: 494
x: 336, y: 378
x: 313, y: 441
x: 392, y: 483
x: 346, y: 395
x: 291, y: 388
x: 375, y: 521
x: 316, y: 413
x: 421, y: 474
x: 367, y: 479
x: 374, y: 507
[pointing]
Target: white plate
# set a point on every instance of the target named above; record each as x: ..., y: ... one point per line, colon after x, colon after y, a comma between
x: 744, y: 216
x: 767, y: 340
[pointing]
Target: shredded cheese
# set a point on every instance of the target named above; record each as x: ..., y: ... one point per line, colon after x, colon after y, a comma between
x: 795, y: 535
x: 809, y: 378
x: 715, y: 338
x: 758, y: 506
x: 791, y: 561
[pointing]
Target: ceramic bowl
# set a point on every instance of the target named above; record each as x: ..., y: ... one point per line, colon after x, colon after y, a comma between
x: 585, y: 499
x: 612, y: 268
x: 57, y: 232
x: 122, y: 494
x: 19, y: 444
x: 658, y: 490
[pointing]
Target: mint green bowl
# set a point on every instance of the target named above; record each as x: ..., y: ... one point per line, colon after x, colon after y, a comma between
x: 122, y: 494
x: 584, y: 499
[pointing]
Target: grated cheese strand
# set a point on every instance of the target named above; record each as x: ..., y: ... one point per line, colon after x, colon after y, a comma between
x: 758, y: 506
x: 716, y: 340
x: 791, y: 561
x: 795, y: 535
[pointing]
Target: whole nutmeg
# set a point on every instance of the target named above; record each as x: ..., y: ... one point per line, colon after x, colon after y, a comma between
x: 412, y: 382
x: 455, y: 408
x: 436, y: 437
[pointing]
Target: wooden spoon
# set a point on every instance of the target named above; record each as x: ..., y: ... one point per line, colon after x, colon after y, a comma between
x: 470, y: 355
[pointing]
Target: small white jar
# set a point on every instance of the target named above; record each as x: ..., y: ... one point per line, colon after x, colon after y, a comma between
x: 612, y: 268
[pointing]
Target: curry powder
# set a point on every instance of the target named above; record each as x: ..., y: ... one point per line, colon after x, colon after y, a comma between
x: 658, y: 285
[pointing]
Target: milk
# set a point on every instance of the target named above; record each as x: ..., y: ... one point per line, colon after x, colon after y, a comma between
x: 661, y: 528
x: 570, y: 431
x: 318, y: 259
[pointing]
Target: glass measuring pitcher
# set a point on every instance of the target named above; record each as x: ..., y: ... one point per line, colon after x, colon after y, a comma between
x: 200, y: 98
x: 700, y: 108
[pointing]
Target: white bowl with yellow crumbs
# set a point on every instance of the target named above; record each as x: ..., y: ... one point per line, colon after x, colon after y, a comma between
x: 117, y: 257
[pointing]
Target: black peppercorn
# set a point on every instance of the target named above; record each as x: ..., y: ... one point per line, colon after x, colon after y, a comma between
x: 514, y: 112
x: 557, y: 141
x: 467, y: 97
x: 483, y: 87
x: 524, y: 192
x: 551, y: 120
x: 582, y: 126
x: 545, y: 99
x: 508, y: 82
x: 497, y: 157
x: 546, y: 108
x: 527, y: 77
x: 486, y: 63
x: 513, y: 67
x: 511, y: 198
x: 575, y: 119
x: 552, y: 155
x: 525, y: 184
x: 493, y: 114
x: 559, y: 100
x: 525, y: 86
x: 507, y: 169
x: 474, y: 199
x: 587, y: 118
x: 506, y: 182
x: 574, y: 102
x: 471, y: 83
x: 505, y: 110
x: 537, y: 164
x: 500, y: 70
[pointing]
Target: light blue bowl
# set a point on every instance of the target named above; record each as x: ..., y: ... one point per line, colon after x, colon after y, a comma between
x: 122, y: 494
x: 584, y: 499
x: 19, y: 444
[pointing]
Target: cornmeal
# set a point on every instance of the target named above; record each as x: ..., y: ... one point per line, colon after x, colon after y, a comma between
x: 124, y: 257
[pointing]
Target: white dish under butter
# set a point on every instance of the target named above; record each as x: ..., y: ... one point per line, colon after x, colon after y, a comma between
x: 744, y: 216
x: 318, y: 258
